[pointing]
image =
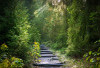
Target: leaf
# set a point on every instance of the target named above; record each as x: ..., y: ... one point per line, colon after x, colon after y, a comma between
x: 85, y: 55
x: 99, y: 66
x: 95, y: 53
x: 98, y: 58
x: 98, y: 54
x: 90, y: 52
x: 98, y: 49
x: 87, y: 58
x: 92, y: 60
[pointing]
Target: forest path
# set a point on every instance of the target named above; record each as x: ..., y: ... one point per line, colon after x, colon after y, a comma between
x: 48, y: 59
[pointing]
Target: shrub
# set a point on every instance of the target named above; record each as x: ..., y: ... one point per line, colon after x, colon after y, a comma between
x: 93, y: 58
x: 7, y: 61
x: 36, y: 51
x: 78, y: 35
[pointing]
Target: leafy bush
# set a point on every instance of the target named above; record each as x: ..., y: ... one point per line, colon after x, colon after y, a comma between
x: 12, y: 63
x: 18, y: 35
x: 16, y: 62
x: 7, y: 61
x: 79, y: 33
x: 36, y: 51
x: 34, y: 33
x: 4, y: 47
x: 17, y: 31
x: 93, y: 58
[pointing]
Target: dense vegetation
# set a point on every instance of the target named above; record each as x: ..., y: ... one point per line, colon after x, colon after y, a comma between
x: 70, y: 26
x: 17, y: 33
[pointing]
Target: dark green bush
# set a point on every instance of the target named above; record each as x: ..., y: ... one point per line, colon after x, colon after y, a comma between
x: 93, y: 58
x: 78, y: 36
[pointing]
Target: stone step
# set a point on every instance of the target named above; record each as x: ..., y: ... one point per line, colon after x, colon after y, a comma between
x: 45, y: 50
x: 49, y: 58
x: 49, y: 65
x: 47, y: 55
x: 48, y: 61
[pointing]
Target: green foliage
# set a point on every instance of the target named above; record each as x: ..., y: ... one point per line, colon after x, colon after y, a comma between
x: 55, y: 46
x: 94, y: 25
x: 74, y: 31
x: 18, y: 35
x: 7, y: 61
x: 54, y: 28
x: 36, y: 51
x: 83, y: 27
x: 93, y: 57
x: 34, y: 33
x: 3, y: 47
x: 16, y: 63
x: 16, y: 30
x: 78, y: 36
x: 12, y: 63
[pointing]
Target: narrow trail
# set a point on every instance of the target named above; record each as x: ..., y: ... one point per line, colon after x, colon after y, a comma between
x: 48, y: 59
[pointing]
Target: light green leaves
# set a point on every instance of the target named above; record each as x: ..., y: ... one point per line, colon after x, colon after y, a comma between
x: 90, y: 52
x: 92, y: 60
x: 87, y: 58
x: 85, y: 55
x: 93, y: 57
x: 98, y: 58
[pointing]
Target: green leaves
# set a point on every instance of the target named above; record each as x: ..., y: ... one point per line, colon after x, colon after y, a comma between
x: 77, y: 33
x: 92, y: 60
x: 90, y: 52
x: 93, y: 57
x: 85, y: 55
x: 16, y: 62
x: 99, y: 49
x: 98, y: 54
x: 98, y: 58
x: 88, y: 58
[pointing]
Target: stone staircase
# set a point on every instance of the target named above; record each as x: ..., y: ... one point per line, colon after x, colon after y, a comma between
x: 48, y: 59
